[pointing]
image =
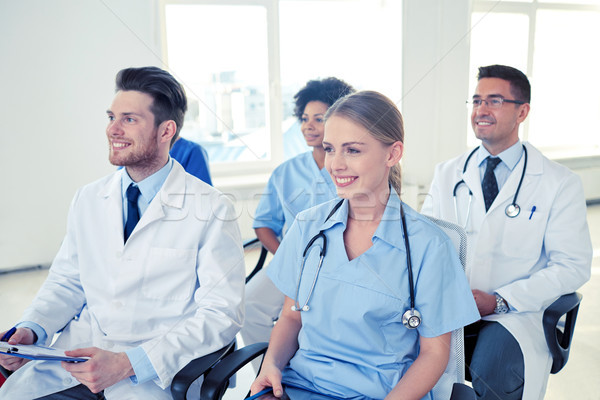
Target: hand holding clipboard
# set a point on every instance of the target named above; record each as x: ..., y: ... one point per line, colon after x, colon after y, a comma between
x: 34, y: 352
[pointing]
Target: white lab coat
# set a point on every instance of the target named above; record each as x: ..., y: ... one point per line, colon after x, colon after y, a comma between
x: 529, y: 260
x: 175, y: 288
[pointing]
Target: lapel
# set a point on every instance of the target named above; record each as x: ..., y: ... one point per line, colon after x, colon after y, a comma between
x: 473, y: 181
x: 111, y: 193
x: 170, y: 195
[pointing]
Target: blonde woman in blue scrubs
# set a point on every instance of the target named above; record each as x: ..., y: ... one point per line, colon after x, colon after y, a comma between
x: 349, y: 341
x: 294, y: 186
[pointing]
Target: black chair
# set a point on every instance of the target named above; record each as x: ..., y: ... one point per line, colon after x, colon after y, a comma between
x: 200, y: 366
x: 195, y: 369
x: 250, y: 244
x: 558, y: 337
x: 217, y: 379
x: 559, y: 340
x: 4, y: 372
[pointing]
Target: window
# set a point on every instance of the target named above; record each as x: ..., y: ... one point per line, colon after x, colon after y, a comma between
x: 242, y: 62
x: 550, y: 41
x: 220, y: 53
x: 356, y: 41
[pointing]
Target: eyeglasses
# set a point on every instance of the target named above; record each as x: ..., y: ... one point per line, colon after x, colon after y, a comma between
x: 492, y: 102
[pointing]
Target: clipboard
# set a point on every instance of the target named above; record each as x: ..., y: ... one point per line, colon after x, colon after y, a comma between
x: 34, y: 352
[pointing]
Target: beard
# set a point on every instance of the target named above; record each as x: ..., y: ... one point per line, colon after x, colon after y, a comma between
x: 136, y: 156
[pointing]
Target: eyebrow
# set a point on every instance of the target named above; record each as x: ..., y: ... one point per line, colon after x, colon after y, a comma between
x: 125, y: 113
x: 313, y: 114
x: 491, y: 95
x: 346, y: 144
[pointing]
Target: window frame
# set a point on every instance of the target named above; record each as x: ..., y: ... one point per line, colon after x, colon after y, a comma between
x: 274, y: 117
x: 530, y: 9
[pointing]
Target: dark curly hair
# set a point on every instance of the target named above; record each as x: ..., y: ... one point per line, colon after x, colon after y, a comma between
x: 326, y: 90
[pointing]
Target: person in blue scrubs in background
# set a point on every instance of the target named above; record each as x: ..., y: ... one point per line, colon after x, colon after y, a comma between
x: 192, y: 157
x: 294, y: 186
x: 349, y: 340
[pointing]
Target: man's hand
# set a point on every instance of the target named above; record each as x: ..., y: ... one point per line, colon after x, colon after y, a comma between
x: 21, y: 336
x: 103, y: 369
x: 486, y: 303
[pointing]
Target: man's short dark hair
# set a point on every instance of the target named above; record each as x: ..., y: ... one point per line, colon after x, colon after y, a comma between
x: 326, y: 91
x: 520, y: 87
x: 170, y: 102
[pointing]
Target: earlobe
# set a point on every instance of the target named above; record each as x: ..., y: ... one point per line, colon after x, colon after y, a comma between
x: 168, y: 129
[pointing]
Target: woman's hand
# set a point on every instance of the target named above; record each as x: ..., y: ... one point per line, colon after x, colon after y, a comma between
x: 269, y: 376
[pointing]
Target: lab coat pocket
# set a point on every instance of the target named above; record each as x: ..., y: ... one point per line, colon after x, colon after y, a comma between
x: 170, y: 274
x: 523, y: 236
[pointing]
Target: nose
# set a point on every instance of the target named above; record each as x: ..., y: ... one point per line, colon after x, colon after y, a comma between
x: 307, y: 125
x: 483, y: 109
x: 338, y: 162
x: 114, y: 128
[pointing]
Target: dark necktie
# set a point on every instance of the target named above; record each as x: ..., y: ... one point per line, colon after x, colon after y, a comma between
x: 133, y: 215
x: 489, y: 185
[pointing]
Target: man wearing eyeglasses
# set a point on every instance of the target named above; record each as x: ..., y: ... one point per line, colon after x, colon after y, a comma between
x: 528, y: 239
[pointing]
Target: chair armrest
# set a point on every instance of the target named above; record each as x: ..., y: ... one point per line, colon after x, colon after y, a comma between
x: 261, y: 259
x: 460, y: 391
x: 250, y: 242
x: 559, y: 343
x: 259, y: 264
x: 215, y: 382
x: 195, y: 369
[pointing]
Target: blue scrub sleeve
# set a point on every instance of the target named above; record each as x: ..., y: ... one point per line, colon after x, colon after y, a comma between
x: 442, y: 293
x: 269, y: 213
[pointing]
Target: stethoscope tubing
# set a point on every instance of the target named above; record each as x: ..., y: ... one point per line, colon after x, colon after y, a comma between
x: 411, y: 317
x: 511, y: 211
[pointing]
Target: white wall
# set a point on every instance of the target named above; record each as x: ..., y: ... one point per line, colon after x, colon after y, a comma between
x: 59, y: 60
x: 435, y: 79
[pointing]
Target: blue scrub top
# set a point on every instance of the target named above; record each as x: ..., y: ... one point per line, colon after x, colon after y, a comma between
x: 193, y: 158
x: 294, y: 186
x: 352, y: 343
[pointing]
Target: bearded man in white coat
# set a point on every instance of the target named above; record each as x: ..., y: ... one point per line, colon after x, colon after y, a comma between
x: 518, y: 263
x: 157, y: 275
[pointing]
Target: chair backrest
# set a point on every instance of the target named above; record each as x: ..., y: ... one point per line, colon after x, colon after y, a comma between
x: 252, y: 244
x: 455, y: 370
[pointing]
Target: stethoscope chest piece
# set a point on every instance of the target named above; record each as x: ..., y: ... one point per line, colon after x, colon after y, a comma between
x: 411, y: 318
x: 512, y: 210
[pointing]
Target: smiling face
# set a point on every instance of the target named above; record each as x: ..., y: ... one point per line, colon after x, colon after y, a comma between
x: 498, y: 129
x: 358, y: 163
x: 134, y: 141
x: 312, y: 123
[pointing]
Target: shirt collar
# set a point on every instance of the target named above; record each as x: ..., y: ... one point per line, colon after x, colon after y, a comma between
x: 388, y: 228
x: 150, y: 185
x: 510, y: 157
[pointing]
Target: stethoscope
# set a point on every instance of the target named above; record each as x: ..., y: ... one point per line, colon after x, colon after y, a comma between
x: 411, y: 317
x: 511, y: 211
